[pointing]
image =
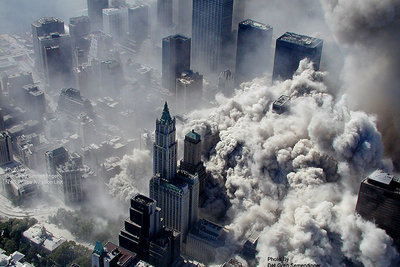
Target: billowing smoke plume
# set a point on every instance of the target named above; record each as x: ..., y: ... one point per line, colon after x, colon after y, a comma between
x: 294, y: 176
x: 371, y: 31
x: 134, y: 177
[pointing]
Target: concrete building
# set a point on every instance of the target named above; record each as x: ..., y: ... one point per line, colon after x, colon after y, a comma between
x: 111, y: 77
x: 55, y: 158
x: 175, y: 59
x: 249, y: 249
x: 253, y: 54
x: 144, y: 234
x: 101, y: 46
x: 211, y: 30
x: 78, y: 28
x: 70, y: 102
x: 39, y: 237
x: 204, y: 239
x: 112, y: 255
x: 44, y: 27
x: 69, y: 180
x: 378, y: 201
x: 189, y: 91
x: 34, y: 101
x: 290, y: 49
x: 18, y: 183
x: 176, y: 193
x: 95, y: 12
x: 31, y: 148
x: 14, y: 83
x: 191, y: 162
x: 6, y: 154
x: 138, y: 23
x: 281, y: 104
x: 113, y: 23
x: 16, y: 259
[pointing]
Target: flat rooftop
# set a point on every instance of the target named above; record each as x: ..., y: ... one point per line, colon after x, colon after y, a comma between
x: 143, y: 200
x: 299, y: 39
x: 256, y: 24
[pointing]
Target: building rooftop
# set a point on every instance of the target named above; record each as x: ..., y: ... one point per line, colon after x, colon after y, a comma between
x: 58, y: 151
x: 193, y: 135
x: 80, y: 19
x: 381, y: 177
x: 298, y: 39
x: 165, y: 116
x: 176, y: 36
x: 256, y: 24
x: 46, y: 20
x: 143, y: 200
x: 41, y: 237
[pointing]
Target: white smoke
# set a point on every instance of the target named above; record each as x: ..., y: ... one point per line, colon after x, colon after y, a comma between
x: 134, y: 177
x: 294, y: 176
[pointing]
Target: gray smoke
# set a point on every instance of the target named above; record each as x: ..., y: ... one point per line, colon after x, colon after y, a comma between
x: 294, y: 176
x: 370, y: 31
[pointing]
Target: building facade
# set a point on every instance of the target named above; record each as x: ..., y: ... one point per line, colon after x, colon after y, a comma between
x: 95, y: 12
x: 6, y: 154
x: 189, y: 91
x: 290, y: 49
x: 138, y: 23
x: 211, y: 30
x: 253, y: 54
x: 175, y: 59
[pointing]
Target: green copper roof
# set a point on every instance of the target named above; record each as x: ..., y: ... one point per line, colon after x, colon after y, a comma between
x: 98, y: 248
x: 165, y: 117
x: 193, y: 135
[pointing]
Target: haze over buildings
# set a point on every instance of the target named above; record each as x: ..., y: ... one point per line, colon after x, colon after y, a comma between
x: 273, y: 146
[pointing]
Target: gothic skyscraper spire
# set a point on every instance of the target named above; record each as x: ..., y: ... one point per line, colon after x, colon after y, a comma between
x: 165, y: 147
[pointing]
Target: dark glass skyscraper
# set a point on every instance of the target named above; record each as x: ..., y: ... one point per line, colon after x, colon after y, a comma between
x: 211, y: 30
x: 253, y: 55
x: 95, y: 13
x: 175, y: 59
x: 290, y: 49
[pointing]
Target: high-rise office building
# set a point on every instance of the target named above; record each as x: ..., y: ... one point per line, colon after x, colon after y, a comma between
x: 79, y: 27
x: 164, y: 13
x: 189, y: 91
x: 191, y: 162
x: 211, y: 30
x: 290, y: 49
x: 253, y: 54
x: 378, y: 201
x: 55, y: 158
x: 176, y: 193
x: 226, y: 82
x: 6, y: 154
x: 95, y: 12
x: 56, y: 59
x: 113, y: 22
x: 138, y: 23
x: 175, y: 59
x: 239, y: 13
x: 144, y: 234
x: 185, y: 17
x: 165, y: 146
x: 43, y: 27
x: 69, y: 177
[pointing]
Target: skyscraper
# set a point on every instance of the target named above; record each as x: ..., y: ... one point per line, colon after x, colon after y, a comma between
x: 56, y: 59
x: 55, y: 158
x: 290, y: 49
x: 138, y: 23
x: 185, y: 17
x: 253, y: 55
x: 379, y: 200
x: 191, y: 162
x: 6, y: 155
x: 95, y: 13
x: 113, y: 22
x: 175, y: 59
x: 144, y: 234
x: 189, y: 91
x: 165, y: 146
x: 43, y: 27
x: 79, y: 27
x: 211, y: 30
x: 164, y: 13
x: 176, y: 193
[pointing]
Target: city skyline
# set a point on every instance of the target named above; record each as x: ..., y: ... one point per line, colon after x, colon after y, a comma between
x: 199, y: 133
